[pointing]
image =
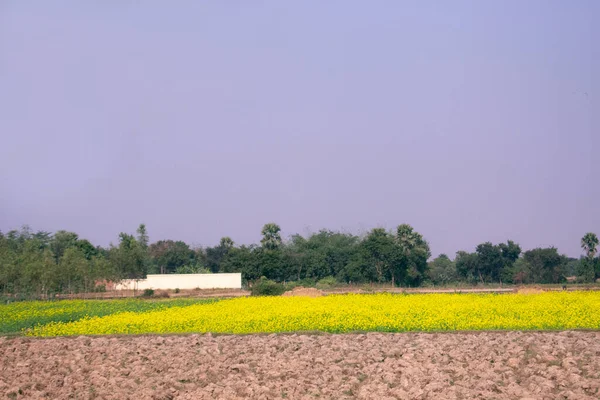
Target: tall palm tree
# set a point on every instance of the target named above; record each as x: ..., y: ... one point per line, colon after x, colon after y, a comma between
x: 271, y: 237
x: 226, y: 243
x: 589, y: 243
x: 407, y: 237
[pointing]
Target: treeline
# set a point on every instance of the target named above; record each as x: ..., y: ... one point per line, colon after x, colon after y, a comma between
x: 505, y: 263
x: 42, y: 263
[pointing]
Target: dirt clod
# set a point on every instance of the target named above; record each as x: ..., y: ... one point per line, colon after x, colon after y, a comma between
x: 490, y: 365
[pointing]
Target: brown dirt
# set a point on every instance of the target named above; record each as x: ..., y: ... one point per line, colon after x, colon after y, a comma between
x: 490, y: 365
x: 530, y: 290
x: 302, y: 291
x: 118, y: 294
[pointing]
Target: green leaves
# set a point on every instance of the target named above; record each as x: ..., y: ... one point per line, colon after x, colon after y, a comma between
x: 589, y: 243
x: 271, y: 236
x: 589, y: 267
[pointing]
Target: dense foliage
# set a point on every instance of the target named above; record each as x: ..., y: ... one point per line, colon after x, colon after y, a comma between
x: 267, y: 287
x: 41, y: 264
x: 348, y: 313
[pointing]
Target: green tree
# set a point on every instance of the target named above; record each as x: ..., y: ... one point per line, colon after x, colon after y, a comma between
x: 322, y: 254
x: 271, y: 236
x: 101, y: 270
x: 143, y: 241
x: 380, y: 256
x: 520, y: 272
x: 16, y: 239
x: 73, y: 268
x: 510, y: 253
x: 226, y: 243
x: 467, y: 266
x: 412, y: 266
x: 588, y: 265
x: 589, y: 243
x: 270, y: 255
x: 572, y: 267
x: 357, y: 270
x: 31, y: 268
x: 168, y: 255
x: 491, y: 262
x: 442, y: 270
x: 545, y: 265
x: 87, y: 248
x: 128, y: 258
x: 272, y: 265
x: 43, y: 238
x: 296, y: 257
x: 61, y: 241
x: 142, y: 237
x: 8, y: 269
x: 243, y: 259
x: 215, y: 255
x: 586, y: 270
x: 192, y: 269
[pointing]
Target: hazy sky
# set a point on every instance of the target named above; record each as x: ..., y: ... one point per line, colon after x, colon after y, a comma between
x: 471, y: 120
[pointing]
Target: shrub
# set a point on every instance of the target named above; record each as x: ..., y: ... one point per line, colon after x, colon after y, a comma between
x: 192, y: 269
x: 177, y: 290
x: 99, y: 288
x: 267, y: 287
x: 327, y: 282
x: 148, y: 293
x: 290, y: 285
x: 307, y: 282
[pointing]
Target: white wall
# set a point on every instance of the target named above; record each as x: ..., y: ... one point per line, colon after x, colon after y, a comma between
x: 184, y: 281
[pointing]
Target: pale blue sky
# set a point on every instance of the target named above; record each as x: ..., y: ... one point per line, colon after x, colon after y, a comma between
x: 470, y: 120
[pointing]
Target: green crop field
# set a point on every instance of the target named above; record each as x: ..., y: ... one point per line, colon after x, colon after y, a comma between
x: 334, y: 313
x: 16, y: 317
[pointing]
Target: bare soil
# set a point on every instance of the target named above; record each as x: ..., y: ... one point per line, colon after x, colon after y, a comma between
x: 302, y: 291
x: 488, y: 365
x: 343, y: 289
x: 118, y: 294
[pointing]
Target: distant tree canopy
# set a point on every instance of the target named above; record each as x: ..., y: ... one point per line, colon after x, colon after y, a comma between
x: 442, y: 270
x: 41, y: 263
x: 489, y: 263
x: 167, y: 256
x: 589, y: 266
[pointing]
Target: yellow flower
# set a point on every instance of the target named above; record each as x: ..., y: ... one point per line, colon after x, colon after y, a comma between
x: 348, y: 313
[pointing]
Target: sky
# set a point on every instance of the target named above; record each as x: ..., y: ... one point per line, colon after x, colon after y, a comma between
x: 473, y: 121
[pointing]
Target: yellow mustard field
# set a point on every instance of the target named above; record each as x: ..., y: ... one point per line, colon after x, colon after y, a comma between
x: 348, y: 313
x: 18, y: 316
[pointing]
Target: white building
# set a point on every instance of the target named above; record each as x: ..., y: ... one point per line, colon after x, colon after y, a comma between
x: 184, y: 281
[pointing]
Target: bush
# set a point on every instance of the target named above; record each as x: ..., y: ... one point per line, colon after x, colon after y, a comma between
x: 290, y: 285
x: 99, y: 288
x: 307, y: 282
x: 148, y: 293
x: 177, y: 290
x: 327, y: 282
x: 192, y: 269
x: 267, y: 287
